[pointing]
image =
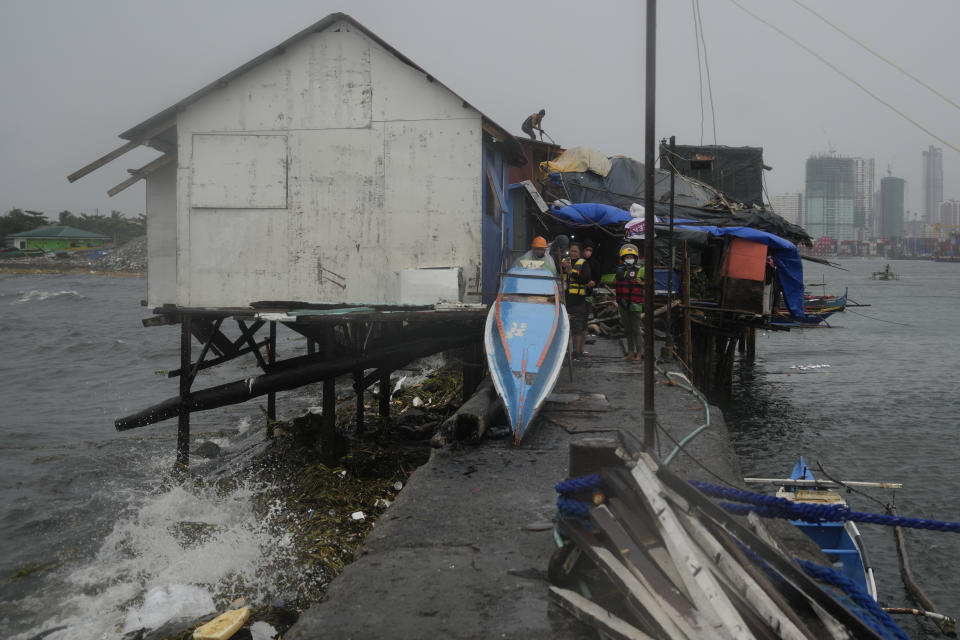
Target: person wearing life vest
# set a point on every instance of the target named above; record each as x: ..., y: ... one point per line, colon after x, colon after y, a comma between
x: 629, y: 286
x: 577, y: 272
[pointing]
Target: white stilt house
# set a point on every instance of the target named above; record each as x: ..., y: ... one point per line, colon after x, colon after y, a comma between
x: 330, y: 169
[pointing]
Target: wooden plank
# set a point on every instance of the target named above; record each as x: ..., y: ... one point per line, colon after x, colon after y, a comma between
x: 596, y: 616
x: 703, y: 587
x: 755, y: 572
x: 789, y: 571
x: 642, y: 607
x: 141, y: 173
x: 648, y: 573
x: 633, y: 515
x: 740, y: 581
x: 119, y: 151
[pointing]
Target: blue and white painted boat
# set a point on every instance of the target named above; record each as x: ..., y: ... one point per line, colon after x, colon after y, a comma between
x: 526, y: 338
x: 839, y: 541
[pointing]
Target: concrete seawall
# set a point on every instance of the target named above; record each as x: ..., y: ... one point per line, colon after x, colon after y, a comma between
x: 464, y: 550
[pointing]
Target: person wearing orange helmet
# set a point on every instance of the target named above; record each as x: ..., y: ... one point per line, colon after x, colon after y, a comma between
x: 538, y: 247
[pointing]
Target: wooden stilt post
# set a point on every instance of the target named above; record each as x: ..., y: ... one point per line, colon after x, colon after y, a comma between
x: 385, y: 395
x: 357, y: 378
x: 728, y: 374
x: 183, y: 421
x: 687, y: 328
x: 751, y: 345
x: 272, y: 358
x: 328, y: 426
x: 742, y: 341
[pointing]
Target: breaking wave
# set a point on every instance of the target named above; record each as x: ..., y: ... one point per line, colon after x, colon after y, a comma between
x: 39, y: 296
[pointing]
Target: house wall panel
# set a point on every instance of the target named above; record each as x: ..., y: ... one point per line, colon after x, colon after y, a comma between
x: 384, y: 174
x: 237, y: 171
x: 321, y: 82
x: 336, y: 235
x: 433, y: 194
x: 161, y: 211
x: 237, y: 256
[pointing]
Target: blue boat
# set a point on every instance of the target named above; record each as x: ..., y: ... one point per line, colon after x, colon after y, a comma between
x: 839, y: 541
x: 526, y: 338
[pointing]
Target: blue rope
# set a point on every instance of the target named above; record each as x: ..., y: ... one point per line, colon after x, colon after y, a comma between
x: 576, y: 508
x: 574, y: 485
x: 867, y: 609
x: 774, y: 507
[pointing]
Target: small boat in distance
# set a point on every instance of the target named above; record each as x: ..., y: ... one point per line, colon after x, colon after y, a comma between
x: 886, y: 274
x: 839, y: 541
x: 526, y: 337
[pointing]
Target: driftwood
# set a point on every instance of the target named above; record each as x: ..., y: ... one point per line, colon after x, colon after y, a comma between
x: 471, y: 420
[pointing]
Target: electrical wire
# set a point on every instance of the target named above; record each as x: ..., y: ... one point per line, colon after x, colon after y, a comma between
x: 874, y: 53
x: 706, y: 65
x: 696, y: 39
x: 846, y: 75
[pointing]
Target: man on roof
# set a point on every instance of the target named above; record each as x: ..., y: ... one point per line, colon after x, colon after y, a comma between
x: 533, y: 122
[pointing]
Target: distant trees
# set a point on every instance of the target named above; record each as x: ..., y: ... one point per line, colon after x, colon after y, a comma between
x: 116, y: 225
x: 17, y: 220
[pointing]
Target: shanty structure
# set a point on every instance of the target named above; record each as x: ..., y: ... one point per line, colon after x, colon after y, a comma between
x: 334, y: 186
x: 60, y: 238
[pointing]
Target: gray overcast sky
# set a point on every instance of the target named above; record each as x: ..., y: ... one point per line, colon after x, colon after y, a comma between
x: 75, y: 73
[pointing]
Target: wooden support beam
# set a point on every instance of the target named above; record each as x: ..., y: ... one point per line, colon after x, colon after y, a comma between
x: 271, y: 358
x: 243, y: 390
x: 141, y: 173
x: 183, y: 401
x: 751, y: 345
x: 384, y: 409
x: 119, y: 151
x: 357, y: 377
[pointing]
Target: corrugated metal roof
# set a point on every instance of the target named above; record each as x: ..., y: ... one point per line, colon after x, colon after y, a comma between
x: 169, y: 114
x: 57, y: 232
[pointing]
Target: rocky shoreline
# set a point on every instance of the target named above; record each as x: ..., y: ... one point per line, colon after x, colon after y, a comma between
x: 129, y: 259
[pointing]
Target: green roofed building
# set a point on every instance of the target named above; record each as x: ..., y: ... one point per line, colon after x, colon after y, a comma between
x: 58, y: 239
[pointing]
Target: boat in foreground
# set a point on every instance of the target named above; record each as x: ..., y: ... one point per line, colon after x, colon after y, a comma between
x: 526, y: 338
x: 839, y: 541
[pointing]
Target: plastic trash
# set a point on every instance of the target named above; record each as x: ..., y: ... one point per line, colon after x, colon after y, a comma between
x: 358, y: 516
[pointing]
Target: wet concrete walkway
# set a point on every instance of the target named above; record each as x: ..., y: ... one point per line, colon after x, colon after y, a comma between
x: 463, y: 552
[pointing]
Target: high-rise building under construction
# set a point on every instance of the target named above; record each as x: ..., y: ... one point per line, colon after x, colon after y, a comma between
x: 831, y: 187
x: 932, y: 183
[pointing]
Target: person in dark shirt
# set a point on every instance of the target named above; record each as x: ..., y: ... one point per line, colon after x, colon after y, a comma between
x: 578, y: 275
x: 533, y: 122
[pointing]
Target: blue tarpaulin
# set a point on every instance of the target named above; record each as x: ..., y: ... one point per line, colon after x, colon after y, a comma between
x: 784, y: 254
x: 587, y: 214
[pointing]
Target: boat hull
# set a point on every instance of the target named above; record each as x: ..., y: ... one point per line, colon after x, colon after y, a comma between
x: 840, y: 541
x: 526, y: 337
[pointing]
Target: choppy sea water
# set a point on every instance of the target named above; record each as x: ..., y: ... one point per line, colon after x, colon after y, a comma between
x: 875, y: 398
x: 87, y: 512
x: 89, y: 546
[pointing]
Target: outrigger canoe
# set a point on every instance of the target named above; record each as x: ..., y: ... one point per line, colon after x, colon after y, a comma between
x: 839, y: 541
x: 526, y: 338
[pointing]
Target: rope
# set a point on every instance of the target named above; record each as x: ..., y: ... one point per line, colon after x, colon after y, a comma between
x: 867, y: 609
x: 575, y: 508
x: 773, y: 507
x: 574, y: 485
